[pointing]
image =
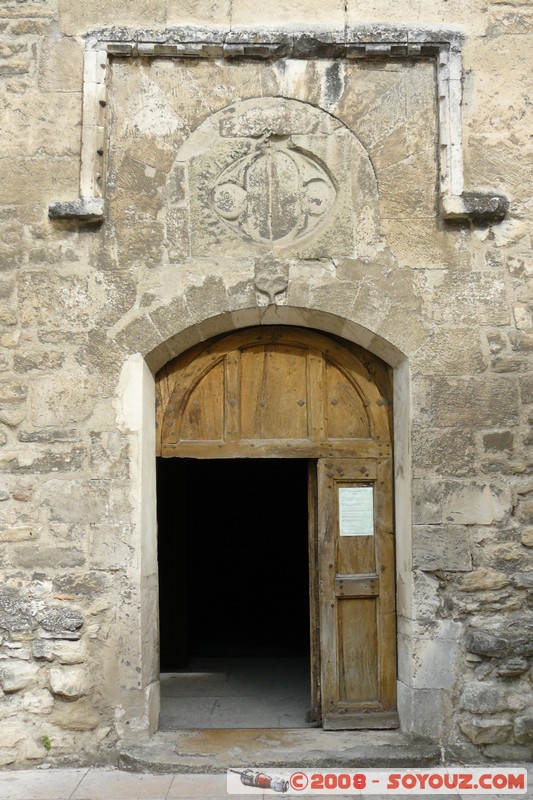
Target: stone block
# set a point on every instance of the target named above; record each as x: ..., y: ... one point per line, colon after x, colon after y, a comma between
x: 482, y: 580
x: 46, y: 557
x: 87, y: 584
x: 100, y: 354
x: 48, y: 435
x: 422, y: 711
x: 42, y: 650
x: 486, y: 643
x: 498, y: 442
x: 80, y: 715
x: 427, y: 497
x: 61, y: 401
x: 37, y: 124
x: 110, y: 547
x: 477, y: 299
x: 450, y: 351
x: 476, y: 504
x: 28, y: 360
x: 526, y: 389
x: 115, y: 293
x: 77, y: 19
x: 141, y: 243
x: 527, y: 537
x: 414, y: 249
x: 69, y: 652
x: 33, y: 180
x: 18, y: 533
x: 55, y: 302
x: 522, y: 316
x: 69, y: 682
x: 170, y: 318
x: 18, y: 614
x: 61, y: 64
x: 12, y: 391
x: 330, y: 14
x: 483, y: 698
x: 31, y: 462
x: 513, y: 667
x: 523, y: 728
x: 12, y: 415
x: 523, y: 580
x: 138, y: 335
x: 39, y: 702
x: 407, y: 188
x: 16, y: 675
x: 521, y: 341
x: 488, y: 402
x: 109, y: 454
x: 493, y: 153
x: 120, y: 501
x: 61, y: 623
x: 76, y: 501
x: 428, y: 663
x: 508, y: 752
x: 8, y: 756
x: 441, y: 547
x: 487, y: 731
x: 177, y: 228
x: 449, y: 452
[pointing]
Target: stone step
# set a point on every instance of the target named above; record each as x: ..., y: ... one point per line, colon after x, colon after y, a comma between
x: 215, y: 750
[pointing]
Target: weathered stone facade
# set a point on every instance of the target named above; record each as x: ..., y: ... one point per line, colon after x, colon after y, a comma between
x: 179, y: 120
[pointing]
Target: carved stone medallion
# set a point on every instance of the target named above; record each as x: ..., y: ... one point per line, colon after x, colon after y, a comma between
x: 276, y: 193
x: 275, y: 175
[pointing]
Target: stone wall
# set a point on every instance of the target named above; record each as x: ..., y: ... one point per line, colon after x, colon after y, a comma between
x: 448, y: 304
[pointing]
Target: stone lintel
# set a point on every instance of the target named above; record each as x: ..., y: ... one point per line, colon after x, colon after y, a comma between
x: 86, y: 209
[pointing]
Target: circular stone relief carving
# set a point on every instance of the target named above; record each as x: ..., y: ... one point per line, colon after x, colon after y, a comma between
x: 276, y: 193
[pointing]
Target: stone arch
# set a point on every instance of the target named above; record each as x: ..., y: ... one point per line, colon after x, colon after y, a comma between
x: 153, y: 327
x: 136, y: 404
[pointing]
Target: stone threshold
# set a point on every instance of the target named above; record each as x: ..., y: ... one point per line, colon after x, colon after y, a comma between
x: 212, y: 751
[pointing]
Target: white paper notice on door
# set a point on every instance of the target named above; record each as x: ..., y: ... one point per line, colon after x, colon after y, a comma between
x: 356, y: 511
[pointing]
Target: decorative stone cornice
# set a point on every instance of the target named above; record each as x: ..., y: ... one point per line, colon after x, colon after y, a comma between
x: 363, y: 43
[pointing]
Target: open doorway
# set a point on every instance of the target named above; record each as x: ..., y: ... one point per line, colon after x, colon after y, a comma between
x: 234, y: 593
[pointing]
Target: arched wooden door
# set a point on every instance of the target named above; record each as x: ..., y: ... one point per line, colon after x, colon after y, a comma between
x: 289, y: 392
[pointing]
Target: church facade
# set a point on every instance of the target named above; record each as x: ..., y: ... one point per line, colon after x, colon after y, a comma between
x: 300, y: 232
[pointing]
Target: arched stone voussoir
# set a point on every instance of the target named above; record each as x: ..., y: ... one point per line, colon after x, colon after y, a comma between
x: 188, y: 335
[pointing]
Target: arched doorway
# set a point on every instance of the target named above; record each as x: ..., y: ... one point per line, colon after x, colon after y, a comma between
x: 294, y: 394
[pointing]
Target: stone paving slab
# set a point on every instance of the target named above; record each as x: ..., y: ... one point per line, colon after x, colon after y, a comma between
x: 113, y: 784
x: 106, y: 784
x: 37, y: 784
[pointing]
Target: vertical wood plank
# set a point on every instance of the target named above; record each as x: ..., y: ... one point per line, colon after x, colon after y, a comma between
x: 232, y: 405
x: 316, y: 392
x: 314, y: 610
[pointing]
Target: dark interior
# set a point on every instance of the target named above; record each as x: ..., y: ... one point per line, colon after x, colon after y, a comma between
x: 233, y: 558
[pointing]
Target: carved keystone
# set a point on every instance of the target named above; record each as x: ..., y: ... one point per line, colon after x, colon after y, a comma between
x: 271, y: 278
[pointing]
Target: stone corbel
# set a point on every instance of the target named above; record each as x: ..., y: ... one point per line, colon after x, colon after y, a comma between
x: 456, y: 203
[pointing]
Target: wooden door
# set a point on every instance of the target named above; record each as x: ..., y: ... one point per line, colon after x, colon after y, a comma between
x: 287, y: 392
x: 356, y: 593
